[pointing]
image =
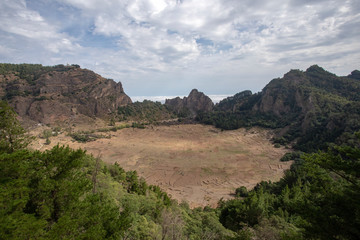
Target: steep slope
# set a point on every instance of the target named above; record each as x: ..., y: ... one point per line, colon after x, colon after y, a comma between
x: 193, y: 104
x: 145, y: 111
x: 309, y: 107
x: 234, y: 102
x: 50, y: 94
x: 301, y: 92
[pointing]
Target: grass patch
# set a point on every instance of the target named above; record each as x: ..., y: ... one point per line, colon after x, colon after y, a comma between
x: 114, y: 128
x: 207, y: 170
x: 87, y: 136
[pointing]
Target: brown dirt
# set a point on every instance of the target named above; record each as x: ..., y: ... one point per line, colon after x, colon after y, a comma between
x: 194, y: 163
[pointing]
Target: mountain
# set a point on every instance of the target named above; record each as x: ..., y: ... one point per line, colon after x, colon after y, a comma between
x: 59, y: 93
x: 232, y: 103
x: 193, y: 104
x: 310, y: 108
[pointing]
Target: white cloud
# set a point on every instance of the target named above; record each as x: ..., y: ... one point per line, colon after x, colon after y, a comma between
x: 18, y: 20
x: 172, y: 46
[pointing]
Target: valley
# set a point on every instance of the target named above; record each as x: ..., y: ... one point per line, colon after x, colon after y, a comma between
x: 195, y: 163
x: 141, y: 156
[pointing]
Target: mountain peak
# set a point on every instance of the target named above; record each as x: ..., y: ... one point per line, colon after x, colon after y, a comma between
x: 194, y: 91
x: 194, y: 103
x: 315, y: 68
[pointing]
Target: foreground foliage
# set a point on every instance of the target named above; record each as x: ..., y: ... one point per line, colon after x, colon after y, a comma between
x: 319, y: 198
x: 66, y: 194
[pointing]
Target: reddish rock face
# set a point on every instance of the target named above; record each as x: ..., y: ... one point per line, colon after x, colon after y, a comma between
x: 194, y: 103
x: 61, y: 95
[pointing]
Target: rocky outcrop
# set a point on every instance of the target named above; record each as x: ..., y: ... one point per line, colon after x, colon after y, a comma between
x: 193, y: 104
x: 62, y: 94
x: 306, y: 107
x: 234, y: 102
x: 298, y: 98
x: 283, y: 96
x: 299, y: 93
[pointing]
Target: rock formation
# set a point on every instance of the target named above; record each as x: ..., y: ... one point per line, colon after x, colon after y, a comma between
x: 306, y: 107
x: 193, y: 104
x: 63, y: 93
x: 233, y: 103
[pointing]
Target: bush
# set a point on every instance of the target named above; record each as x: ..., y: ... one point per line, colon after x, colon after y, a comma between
x: 47, y: 142
x: 290, y: 156
x: 241, y: 192
x: 86, y: 136
x: 138, y: 125
x: 47, y: 133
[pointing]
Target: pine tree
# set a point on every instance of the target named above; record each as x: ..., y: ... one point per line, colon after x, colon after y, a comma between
x: 12, y: 135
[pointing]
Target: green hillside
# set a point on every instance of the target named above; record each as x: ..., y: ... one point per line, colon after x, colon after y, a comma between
x: 313, y: 108
x: 146, y: 110
x: 30, y: 72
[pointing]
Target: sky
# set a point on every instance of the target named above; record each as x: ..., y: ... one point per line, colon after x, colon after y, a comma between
x: 168, y: 47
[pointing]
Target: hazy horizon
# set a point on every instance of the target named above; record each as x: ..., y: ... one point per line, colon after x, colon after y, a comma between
x: 214, y: 98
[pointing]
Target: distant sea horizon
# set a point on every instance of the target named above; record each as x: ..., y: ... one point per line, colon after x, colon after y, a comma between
x: 215, y: 98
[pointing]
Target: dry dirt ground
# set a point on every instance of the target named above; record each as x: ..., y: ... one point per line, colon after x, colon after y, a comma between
x: 193, y: 163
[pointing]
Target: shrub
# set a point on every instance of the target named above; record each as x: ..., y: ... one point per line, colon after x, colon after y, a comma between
x: 241, y: 192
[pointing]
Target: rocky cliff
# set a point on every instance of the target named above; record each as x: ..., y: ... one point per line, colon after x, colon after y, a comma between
x: 305, y: 106
x: 55, y: 94
x: 234, y: 102
x: 193, y: 104
x: 301, y: 93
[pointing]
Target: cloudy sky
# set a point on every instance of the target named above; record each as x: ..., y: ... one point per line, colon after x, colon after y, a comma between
x: 168, y: 47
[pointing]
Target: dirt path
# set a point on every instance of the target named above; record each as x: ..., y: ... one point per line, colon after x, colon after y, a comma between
x: 194, y: 163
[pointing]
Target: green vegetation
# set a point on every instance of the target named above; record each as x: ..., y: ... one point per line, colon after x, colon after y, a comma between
x: 291, y: 156
x: 148, y: 111
x: 12, y: 136
x: 113, y: 128
x: 48, y: 133
x: 31, y: 72
x: 16, y: 75
x: 241, y: 192
x: 86, y: 136
x: 316, y: 107
x: 317, y: 199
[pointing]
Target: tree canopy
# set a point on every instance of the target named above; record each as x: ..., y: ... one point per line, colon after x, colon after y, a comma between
x: 12, y: 135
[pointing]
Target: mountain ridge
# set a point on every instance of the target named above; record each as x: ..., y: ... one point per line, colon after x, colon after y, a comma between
x: 300, y: 103
x: 305, y: 107
x: 59, y: 93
